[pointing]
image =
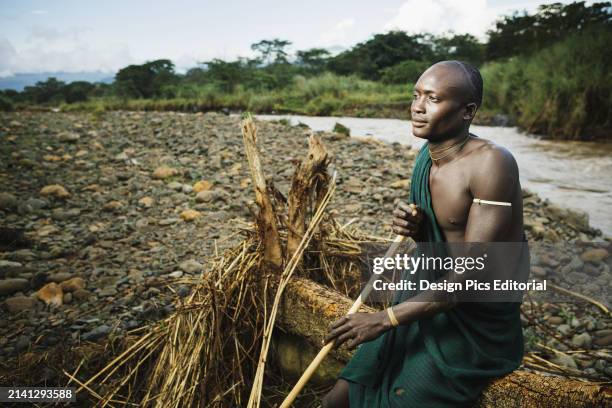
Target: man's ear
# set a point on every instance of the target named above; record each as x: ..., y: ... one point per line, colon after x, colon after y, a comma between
x: 470, y: 111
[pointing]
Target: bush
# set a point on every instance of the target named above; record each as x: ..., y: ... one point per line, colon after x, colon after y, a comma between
x: 6, y: 104
x: 406, y: 72
x: 563, y: 91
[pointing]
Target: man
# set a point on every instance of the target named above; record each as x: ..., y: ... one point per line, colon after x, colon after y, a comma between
x: 440, y: 353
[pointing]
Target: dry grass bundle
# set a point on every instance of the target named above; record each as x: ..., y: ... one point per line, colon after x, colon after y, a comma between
x: 215, y: 345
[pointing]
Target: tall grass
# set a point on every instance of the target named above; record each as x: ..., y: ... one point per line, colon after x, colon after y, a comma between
x: 564, y: 91
x: 327, y: 94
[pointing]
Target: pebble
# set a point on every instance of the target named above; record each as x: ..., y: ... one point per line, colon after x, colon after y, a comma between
x: 168, y: 221
x: 55, y: 190
x: 183, y: 291
x: 10, y: 286
x: 604, y: 341
x: 175, y: 185
x: 8, y: 201
x: 22, y: 344
x: 191, y: 266
x: 594, y: 255
x: 19, y: 304
x: 190, y: 215
x: 563, y: 329
x: 59, y: 277
x: 73, y: 284
x: 97, y: 333
x: 81, y: 294
x: 582, y: 340
x: 538, y: 271
x: 564, y: 360
x: 51, y: 294
x: 164, y: 172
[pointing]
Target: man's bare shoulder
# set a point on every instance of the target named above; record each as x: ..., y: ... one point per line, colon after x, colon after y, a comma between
x: 493, y: 170
x: 486, y: 155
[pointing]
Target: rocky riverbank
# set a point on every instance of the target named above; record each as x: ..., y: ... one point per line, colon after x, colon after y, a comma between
x: 104, y: 215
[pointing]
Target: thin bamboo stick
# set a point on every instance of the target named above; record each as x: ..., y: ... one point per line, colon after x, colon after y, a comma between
x: 310, y: 370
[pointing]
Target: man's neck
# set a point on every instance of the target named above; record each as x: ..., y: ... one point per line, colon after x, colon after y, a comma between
x: 445, y: 148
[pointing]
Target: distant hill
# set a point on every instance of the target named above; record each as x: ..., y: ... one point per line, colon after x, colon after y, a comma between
x: 19, y: 81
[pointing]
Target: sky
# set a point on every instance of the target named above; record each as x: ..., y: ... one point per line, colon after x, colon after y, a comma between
x: 85, y: 36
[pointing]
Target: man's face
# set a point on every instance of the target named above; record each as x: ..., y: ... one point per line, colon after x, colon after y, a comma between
x: 439, y: 105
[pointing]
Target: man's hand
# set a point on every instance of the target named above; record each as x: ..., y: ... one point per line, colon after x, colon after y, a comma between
x: 407, y: 220
x: 358, y: 328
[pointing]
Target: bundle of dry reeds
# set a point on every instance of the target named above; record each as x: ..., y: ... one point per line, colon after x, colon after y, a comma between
x: 213, y: 350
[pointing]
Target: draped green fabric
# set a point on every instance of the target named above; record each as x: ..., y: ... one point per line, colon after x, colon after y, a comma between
x: 443, y: 361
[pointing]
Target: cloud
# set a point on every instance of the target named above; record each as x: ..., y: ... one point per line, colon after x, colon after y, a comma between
x: 73, y: 58
x: 439, y: 16
x: 39, y: 12
x: 55, y: 35
x: 338, y: 33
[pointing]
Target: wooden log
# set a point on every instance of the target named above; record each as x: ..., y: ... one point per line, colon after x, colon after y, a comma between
x: 308, y: 309
x: 303, y: 186
x: 266, y: 219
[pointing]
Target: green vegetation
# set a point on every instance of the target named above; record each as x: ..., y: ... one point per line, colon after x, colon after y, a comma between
x: 564, y: 91
x: 546, y: 70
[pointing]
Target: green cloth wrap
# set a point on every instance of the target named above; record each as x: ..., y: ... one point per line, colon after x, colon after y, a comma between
x: 442, y: 361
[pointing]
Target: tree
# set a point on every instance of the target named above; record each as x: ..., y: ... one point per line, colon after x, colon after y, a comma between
x: 367, y: 59
x: 523, y: 33
x: 313, y: 60
x: 272, y: 51
x: 146, y: 80
x: 227, y: 75
x: 77, y: 91
x: 45, y: 91
x: 464, y: 47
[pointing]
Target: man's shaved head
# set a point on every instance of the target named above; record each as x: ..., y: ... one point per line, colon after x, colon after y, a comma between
x: 470, y: 77
x: 445, y: 100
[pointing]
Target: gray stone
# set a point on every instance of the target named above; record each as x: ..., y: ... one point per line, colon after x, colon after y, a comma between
x: 8, y: 201
x: 23, y: 255
x: 19, y: 304
x: 10, y: 286
x: 168, y: 221
x: 183, y: 291
x: 175, y: 274
x: 68, y: 137
x: 582, y: 340
x: 604, y: 341
x: 59, y: 277
x: 97, y: 333
x: 563, y: 329
x: 81, y: 294
x: 603, y: 332
x: 538, y: 272
x: 22, y: 344
x: 4, y: 264
x: 175, y: 185
x: 564, y: 360
x: 191, y: 266
x: 205, y: 196
x: 107, y: 291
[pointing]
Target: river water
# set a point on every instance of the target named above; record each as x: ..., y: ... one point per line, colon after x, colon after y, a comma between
x: 571, y: 174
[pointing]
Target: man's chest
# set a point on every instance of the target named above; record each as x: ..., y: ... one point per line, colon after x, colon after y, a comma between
x: 450, y: 197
